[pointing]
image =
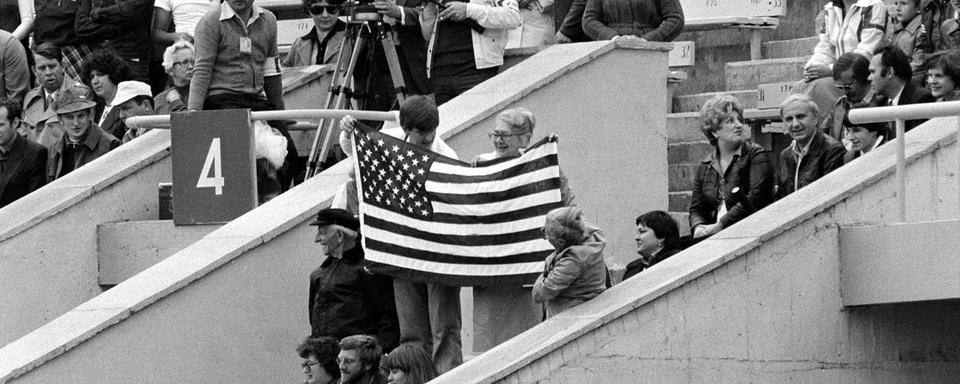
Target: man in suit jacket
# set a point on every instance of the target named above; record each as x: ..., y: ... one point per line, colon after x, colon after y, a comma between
x: 890, y: 75
x: 22, y: 162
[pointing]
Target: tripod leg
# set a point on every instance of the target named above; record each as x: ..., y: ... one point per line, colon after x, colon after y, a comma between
x: 336, y: 85
x: 328, y: 132
x: 390, y: 51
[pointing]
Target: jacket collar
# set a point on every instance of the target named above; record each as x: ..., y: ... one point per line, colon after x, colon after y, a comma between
x: 227, y: 13
x: 90, y: 141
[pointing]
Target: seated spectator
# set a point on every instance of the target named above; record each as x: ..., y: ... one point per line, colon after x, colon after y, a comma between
x: 38, y: 104
x: 173, y: 20
x: 841, y: 28
x: 950, y: 27
x: 864, y: 138
x: 102, y: 71
x: 320, y: 44
x: 645, y: 20
x: 82, y: 141
x: 736, y: 179
x: 511, y: 136
x: 905, y: 31
x: 133, y: 99
x: 23, y: 163
x: 943, y: 77
x: 408, y: 364
x: 850, y: 75
x: 359, y: 360
x: 890, y: 77
x: 812, y: 154
x: 575, y: 272
x: 123, y: 28
x: 14, y: 71
x: 345, y: 297
x: 178, y: 61
x: 319, y: 356
x: 658, y: 237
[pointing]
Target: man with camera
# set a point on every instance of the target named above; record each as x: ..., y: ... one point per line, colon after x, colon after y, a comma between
x: 466, y: 42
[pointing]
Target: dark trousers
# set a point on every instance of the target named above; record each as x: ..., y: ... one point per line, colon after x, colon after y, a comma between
x: 447, y: 85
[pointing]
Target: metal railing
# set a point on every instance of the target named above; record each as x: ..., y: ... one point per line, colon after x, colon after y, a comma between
x: 163, y: 121
x: 900, y: 114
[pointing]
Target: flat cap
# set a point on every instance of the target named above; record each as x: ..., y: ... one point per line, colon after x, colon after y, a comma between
x: 337, y: 216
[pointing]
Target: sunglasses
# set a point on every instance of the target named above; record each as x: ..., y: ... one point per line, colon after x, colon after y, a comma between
x: 316, y: 9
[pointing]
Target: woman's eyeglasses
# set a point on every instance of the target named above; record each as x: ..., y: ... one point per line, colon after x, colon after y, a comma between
x: 500, y: 135
x: 183, y: 63
x: 308, y: 365
x: 316, y: 9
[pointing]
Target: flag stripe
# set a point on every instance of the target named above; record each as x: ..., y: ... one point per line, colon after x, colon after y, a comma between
x: 480, y: 198
x: 492, y: 186
x: 456, y: 252
x: 496, y: 218
x: 455, y: 229
x: 443, y: 260
x: 461, y: 240
x: 447, y: 174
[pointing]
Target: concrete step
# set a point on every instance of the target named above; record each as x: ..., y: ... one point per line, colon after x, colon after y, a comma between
x: 691, y: 152
x: 780, y: 49
x: 750, y: 74
x: 679, y: 201
x: 693, y: 103
x: 683, y: 127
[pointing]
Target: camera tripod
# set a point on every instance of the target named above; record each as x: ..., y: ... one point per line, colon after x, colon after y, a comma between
x: 362, y: 29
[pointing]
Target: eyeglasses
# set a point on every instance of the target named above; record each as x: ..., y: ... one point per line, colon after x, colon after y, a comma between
x: 308, y: 365
x: 845, y: 86
x: 501, y: 136
x: 184, y: 63
x: 316, y: 9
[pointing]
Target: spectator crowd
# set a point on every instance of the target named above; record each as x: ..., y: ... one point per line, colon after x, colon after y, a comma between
x: 71, y: 72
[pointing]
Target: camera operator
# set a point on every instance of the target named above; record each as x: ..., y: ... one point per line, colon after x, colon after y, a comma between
x: 466, y: 42
x: 374, y: 86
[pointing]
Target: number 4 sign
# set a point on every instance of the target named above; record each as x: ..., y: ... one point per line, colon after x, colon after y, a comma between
x: 214, y: 174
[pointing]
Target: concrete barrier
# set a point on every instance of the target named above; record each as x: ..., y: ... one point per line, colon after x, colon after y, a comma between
x: 761, y: 301
x: 232, y: 305
x: 48, y: 239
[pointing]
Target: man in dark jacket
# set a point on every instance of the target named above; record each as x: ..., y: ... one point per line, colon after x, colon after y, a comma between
x: 123, y: 25
x: 82, y: 140
x: 22, y: 162
x: 890, y: 75
x: 812, y: 154
x: 345, y: 297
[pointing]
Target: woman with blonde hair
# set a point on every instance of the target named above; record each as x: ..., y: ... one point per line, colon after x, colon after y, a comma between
x: 575, y: 272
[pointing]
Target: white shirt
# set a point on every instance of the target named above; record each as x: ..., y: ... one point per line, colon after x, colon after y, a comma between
x: 186, y: 13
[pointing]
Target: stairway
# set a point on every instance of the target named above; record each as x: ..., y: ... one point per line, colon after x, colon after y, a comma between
x: 782, y: 62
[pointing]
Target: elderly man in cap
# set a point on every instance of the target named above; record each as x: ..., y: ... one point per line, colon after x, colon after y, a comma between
x: 82, y: 140
x: 134, y: 98
x: 345, y: 297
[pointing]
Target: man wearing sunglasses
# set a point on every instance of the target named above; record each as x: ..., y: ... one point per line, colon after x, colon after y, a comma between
x: 850, y: 73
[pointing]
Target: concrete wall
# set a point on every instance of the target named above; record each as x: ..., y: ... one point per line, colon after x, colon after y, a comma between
x: 231, y: 307
x: 48, y: 239
x: 609, y: 115
x: 760, y: 301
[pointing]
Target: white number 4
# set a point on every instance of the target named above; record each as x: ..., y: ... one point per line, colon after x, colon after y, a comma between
x: 214, y: 160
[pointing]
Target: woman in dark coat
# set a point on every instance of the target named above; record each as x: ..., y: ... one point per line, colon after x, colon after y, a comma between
x: 736, y: 179
x: 658, y: 237
x: 648, y: 20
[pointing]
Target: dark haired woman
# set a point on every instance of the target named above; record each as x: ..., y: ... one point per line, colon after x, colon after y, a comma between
x: 943, y: 78
x: 736, y: 179
x: 658, y: 237
x: 102, y: 71
x: 408, y: 364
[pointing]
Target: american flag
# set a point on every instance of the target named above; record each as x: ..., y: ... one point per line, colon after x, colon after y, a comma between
x: 430, y: 218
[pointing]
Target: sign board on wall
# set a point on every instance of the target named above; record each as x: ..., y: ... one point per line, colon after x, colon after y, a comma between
x: 214, y: 174
x: 770, y: 95
x: 701, y: 9
x: 682, y: 54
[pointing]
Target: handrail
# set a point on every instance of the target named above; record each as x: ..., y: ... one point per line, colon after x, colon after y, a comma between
x: 163, y: 121
x: 900, y: 114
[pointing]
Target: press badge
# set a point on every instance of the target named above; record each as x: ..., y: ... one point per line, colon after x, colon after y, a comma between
x: 245, y: 45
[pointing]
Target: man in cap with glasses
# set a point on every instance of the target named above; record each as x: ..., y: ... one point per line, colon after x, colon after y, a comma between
x: 345, y: 298
x: 850, y: 73
x: 82, y: 140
